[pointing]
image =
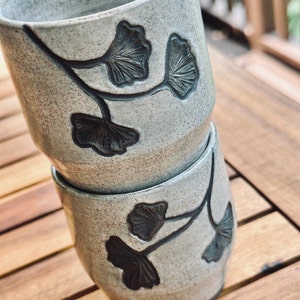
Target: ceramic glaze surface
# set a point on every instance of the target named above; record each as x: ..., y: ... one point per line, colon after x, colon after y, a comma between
x: 170, y: 241
x: 118, y: 100
x: 38, y: 11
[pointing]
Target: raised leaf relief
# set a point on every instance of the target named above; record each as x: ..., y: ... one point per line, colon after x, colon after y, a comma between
x: 103, y: 136
x: 128, y: 55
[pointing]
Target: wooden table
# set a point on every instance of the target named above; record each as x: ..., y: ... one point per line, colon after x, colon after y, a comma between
x: 258, y: 115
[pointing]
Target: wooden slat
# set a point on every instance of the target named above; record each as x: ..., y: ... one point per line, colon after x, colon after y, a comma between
x: 283, y: 49
x: 281, y: 285
x: 12, y: 126
x: 55, y: 278
x: 248, y: 202
x: 28, y: 204
x: 7, y: 88
x: 23, y: 174
x: 281, y: 18
x: 33, y: 241
x: 3, y: 69
x: 276, y: 74
x: 262, y: 244
x: 260, y: 19
x: 264, y: 103
x: 16, y: 148
x: 9, y: 106
x: 260, y: 134
x: 257, y: 247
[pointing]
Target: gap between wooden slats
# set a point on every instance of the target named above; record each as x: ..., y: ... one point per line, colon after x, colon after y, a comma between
x: 281, y: 285
x: 12, y: 126
x: 54, y: 278
x: 27, y: 205
x: 23, y: 174
x: 9, y: 106
x: 16, y: 148
x: 7, y: 88
x: 33, y: 242
x: 256, y: 247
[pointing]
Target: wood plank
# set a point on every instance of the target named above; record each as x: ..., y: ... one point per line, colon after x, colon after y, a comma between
x: 3, y: 69
x: 7, y: 88
x: 16, y: 148
x: 266, y: 104
x: 266, y: 142
x: 281, y: 285
x: 38, y: 200
x: 34, y: 241
x: 257, y: 247
x: 9, y: 106
x: 269, y: 70
x: 265, y: 243
x: 23, y: 174
x: 12, y: 126
x: 283, y: 49
x: 54, y: 278
x: 248, y: 202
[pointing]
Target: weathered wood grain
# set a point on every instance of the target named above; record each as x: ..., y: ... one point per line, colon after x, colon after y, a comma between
x: 265, y: 104
x: 9, y: 106
x: 248, y: 202
x: 34, y: 241
x: 273, y: 72
x: 12, y: 126
x: 260, y: 134
x: 281, y: 285
x: 16, y: 149
x: 260, y: 245
x: 28, y: 204
x: 55, y: 278
x: 24, y: 173
x: 3, y: 69
x: 7, y: 88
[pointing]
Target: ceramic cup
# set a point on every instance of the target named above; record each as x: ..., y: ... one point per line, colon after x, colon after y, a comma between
x: 118, y: 94
x: 170, y: 241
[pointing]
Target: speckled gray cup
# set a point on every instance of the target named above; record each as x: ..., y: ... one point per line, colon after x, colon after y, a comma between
x: 170, y: 241
x: 118, y: 94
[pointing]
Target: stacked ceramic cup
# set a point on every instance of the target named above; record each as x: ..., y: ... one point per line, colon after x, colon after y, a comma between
x: 119, y: 95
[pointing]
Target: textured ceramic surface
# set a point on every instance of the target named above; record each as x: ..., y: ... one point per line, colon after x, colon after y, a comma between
x: 118, y: 94
x: 171, y: 241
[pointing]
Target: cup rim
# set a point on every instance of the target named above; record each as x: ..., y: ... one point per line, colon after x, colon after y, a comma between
x: 69, y: 21
x: 63, y: 184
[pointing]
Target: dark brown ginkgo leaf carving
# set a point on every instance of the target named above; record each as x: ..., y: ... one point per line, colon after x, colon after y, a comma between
x: 146, y: 219
x: 128, y: 55
x: 222, y: 238
x: 181, y: 68
x: 103, y: 136
x: 138, y: 271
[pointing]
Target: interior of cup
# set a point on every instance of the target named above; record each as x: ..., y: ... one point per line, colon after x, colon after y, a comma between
x: 54, y: 10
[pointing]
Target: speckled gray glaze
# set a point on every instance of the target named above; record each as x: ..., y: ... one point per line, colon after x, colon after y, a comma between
x: 183, y: 272
x: 172, y: 132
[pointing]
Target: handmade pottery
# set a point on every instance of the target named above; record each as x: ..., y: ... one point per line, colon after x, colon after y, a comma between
x: 118, y: 94
x: 170, y: 241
